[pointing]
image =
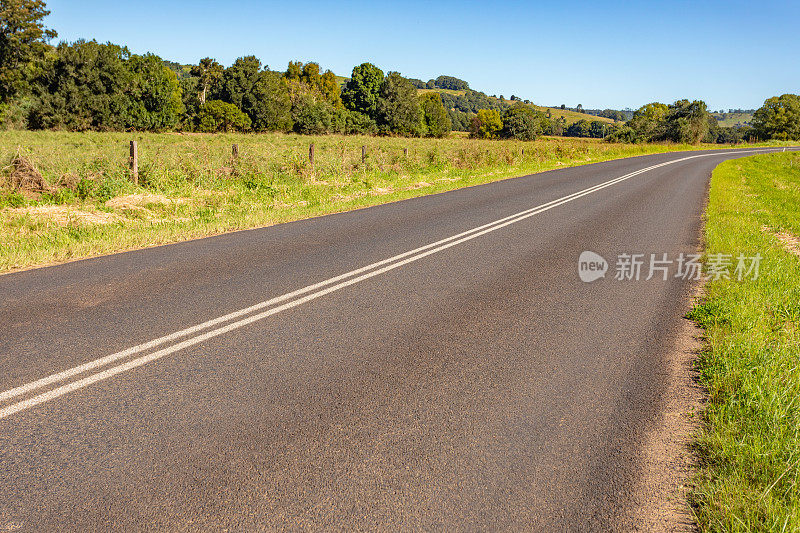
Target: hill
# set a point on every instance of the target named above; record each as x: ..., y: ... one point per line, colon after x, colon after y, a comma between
x: 569, y: 116
x: 734, y: 119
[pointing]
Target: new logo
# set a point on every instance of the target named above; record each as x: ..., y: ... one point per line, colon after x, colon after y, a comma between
x: 591, y: 266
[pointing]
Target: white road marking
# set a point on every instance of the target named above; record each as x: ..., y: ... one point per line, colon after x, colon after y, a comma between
x: 362, y: 274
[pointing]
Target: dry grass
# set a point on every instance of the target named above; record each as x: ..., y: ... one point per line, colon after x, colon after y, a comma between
x: 79, y: 200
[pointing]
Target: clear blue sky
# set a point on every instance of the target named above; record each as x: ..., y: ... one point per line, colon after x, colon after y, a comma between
x: 600, y: 54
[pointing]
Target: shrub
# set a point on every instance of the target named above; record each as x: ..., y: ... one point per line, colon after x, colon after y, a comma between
x: 217, y: 115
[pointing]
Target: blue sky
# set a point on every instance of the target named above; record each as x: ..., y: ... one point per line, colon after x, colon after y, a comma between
x: 599, y: 54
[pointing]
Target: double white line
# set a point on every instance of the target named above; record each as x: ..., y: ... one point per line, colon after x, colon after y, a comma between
x: 237, y: 319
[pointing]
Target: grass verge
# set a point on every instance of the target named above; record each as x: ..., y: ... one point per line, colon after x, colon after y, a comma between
x: 750, y: 445
x: 80, y: 202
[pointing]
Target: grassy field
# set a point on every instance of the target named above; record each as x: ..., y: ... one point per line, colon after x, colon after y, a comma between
x: 750, y: 446
x: 571, y: 116
x: 69, y: 195
x: 732, y: 119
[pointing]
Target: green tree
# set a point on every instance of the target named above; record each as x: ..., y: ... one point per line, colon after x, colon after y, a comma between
x: 329, y: 86
x: 361, y: 93
x: 84, y: 86
x: 156, y: 102
x: 624, y: 134
x: 22, y: 40
x: 209, y: 73
x: 437, y: 122
x: 687, y: 122
x: 649, y: 121
x: 294, y: 70
x: 398, y: 106
x: 216, y: 115
x: 520, y: 122
x: 260, y: 94
x: 778, y: 118
x: 452, y: 83
x: 486, y: 124
x: 313, y: 116
x: 311, y: 75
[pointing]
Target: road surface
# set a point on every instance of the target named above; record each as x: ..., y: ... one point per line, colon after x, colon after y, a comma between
x: 435, y: 363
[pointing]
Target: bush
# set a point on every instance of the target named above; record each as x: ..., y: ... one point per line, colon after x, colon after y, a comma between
x: 625, y: 134
x: 437, y: 122
x: 520, y: 122
x: 486, y: 124
x: 217, y: 115
x: 312, y: 117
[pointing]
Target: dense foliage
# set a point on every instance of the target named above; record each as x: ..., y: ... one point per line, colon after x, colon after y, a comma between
x: 22, y: 41
x: 778, y: 118
x: 437, y: 121
x: 87, y: 85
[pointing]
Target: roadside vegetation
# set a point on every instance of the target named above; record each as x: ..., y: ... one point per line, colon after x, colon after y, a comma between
x: 750, y: 445
x: 67, y: 195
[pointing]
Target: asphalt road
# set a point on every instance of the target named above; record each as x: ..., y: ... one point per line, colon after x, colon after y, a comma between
x: 477, y: 384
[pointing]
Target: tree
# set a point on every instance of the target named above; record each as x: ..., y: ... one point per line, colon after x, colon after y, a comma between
x: 437, y: 122
x: 260, y: 94
x: 398, y: 106
x: 22, y: 40
x: 361, y: 93
x: 208, y: 72
x: 312, y: 116
x: 329, y: 87
x: 311, y: 75
x: 519, y: 122
x: 625, y: 134
x: 486, y: 124
x: 84, y: 86
x: 156, y: 102
x: 451, y: 83
x: 649, y: 121
x: 294, y: 70
x: 778, y: 118
x: 687, y: 122
x: 92, y: 86
x: 217, y: 115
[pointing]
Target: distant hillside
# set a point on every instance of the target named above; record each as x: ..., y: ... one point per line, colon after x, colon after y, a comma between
x: 181, y: 70
x: 737, y: 118
x: 571, y: 116
x: 492, y: 102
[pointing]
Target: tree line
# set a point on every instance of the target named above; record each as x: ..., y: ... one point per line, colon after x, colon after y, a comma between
x: 686, y: 121
x: 86, y: 85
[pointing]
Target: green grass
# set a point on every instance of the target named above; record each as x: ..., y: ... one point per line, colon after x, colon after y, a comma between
x: 750, y: 445
x: 732, y: 119
x: 571, y: 116
x: 194, y: 188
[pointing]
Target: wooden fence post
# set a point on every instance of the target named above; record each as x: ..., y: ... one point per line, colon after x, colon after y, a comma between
x: 311, y: 155
x: 363, y: 154
x: 134, y: 162
x: 235, y: 151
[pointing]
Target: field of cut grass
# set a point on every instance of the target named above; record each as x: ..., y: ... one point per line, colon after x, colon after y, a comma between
x: 571, y: 116
x: 446, y: 91
x: 69, y: 195
x: 750, y: 445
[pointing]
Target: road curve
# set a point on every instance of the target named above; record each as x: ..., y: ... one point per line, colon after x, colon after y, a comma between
x: 434, y: 363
